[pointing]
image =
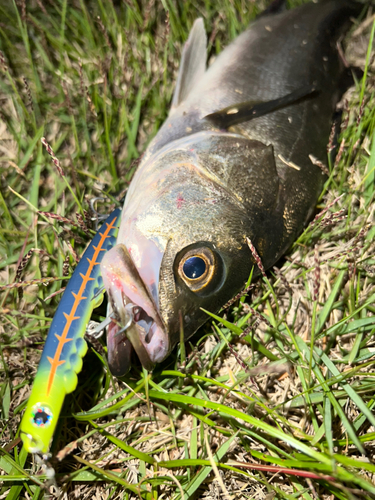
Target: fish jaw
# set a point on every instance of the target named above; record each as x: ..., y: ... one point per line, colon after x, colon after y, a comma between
x: 119, y: 350
x: 129, y: 294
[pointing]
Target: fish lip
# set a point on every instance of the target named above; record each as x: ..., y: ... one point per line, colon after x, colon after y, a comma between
x: 119, y: 350
x: 133, y: 335
x: 126, y: 288
x: 137, y: 335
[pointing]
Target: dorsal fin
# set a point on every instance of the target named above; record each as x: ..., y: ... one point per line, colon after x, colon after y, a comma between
x: 193, y: 62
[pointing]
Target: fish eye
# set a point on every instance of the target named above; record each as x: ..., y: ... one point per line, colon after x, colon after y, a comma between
x: 194, y: 267
x: 197, y: 268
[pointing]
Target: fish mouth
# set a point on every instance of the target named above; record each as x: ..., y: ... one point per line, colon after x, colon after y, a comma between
x: 136, y: 317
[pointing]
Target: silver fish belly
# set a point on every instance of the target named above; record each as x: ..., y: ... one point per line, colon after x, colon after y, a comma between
x: 231, y: 162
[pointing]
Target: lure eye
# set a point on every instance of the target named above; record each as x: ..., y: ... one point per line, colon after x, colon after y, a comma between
x: 41, y: 416
x: 197, y: 268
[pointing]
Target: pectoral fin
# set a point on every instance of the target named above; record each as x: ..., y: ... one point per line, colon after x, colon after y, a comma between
x: 246, y: 111
x: 193, y: 63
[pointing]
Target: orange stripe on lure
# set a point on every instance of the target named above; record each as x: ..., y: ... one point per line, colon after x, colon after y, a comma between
x: 65, y: 345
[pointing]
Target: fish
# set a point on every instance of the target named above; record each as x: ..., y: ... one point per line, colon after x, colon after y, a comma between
x: 231, y: 163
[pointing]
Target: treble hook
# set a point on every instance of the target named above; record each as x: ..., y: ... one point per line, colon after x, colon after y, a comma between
x: 129, y: 316
x: 96, y: 330
x: 97, y: 216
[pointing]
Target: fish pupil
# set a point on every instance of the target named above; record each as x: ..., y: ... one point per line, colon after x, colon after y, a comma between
x: 194, y: 268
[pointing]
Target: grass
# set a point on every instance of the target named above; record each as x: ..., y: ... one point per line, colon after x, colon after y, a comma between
x: 275, y: 398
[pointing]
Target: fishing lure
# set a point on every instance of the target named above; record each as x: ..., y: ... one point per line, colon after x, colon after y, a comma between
x: 65, y: 346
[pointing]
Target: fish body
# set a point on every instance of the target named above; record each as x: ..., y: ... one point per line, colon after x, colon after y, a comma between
x: 231, y: 162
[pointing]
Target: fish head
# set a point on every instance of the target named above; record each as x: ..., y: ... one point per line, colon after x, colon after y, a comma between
x: 182, y: 236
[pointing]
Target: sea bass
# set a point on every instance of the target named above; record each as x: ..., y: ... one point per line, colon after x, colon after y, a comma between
x: 232, y: 162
